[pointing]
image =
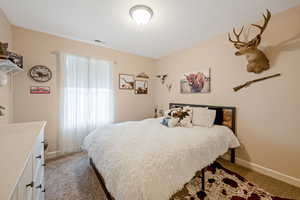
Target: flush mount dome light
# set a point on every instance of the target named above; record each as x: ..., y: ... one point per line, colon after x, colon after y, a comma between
x: 141, y: 14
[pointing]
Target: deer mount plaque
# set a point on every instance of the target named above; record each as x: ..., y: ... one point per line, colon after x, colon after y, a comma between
x: 257, y: 60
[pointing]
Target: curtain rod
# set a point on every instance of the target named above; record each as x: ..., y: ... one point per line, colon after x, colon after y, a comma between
x: 57, y: 53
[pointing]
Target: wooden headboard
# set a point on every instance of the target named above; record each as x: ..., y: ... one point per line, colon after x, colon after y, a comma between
x: 228, y: 113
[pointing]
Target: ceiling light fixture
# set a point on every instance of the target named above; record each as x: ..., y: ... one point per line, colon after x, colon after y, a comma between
x: 99, y: 41
x: 141, y: 14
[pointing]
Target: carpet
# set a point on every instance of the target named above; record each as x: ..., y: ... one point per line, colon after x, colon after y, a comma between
x: 222, y: 184
x: 72, y: 178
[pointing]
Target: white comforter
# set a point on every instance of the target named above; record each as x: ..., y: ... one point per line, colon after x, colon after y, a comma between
x: 144, y: 160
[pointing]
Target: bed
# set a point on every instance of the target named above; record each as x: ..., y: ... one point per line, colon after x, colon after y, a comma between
x: 144, y: 160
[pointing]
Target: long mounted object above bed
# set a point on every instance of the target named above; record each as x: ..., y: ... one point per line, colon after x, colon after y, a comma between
x: 225, y: 115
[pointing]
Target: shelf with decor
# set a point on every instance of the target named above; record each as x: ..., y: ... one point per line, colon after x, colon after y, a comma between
x: 7, y: 67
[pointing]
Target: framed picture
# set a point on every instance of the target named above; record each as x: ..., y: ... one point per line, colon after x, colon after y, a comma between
x: 195, y: 82
x: 126, y: 81
x: 39, y: 90
x: 141, y: 87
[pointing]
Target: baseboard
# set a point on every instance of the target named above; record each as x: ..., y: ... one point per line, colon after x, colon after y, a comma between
x: 267, y: 171
x: 51, y: 155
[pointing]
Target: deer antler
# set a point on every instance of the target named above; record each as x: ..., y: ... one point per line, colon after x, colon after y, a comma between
x: 237, y: 42
x: 263, y: 27
x: 258, y: 61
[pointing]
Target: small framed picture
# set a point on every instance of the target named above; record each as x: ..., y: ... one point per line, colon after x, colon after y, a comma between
x: 141, y: 87
x: 39, y: 90
x: 126, y: 81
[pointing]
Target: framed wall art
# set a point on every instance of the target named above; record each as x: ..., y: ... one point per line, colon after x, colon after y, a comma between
x: 141, y: 87
x: 195, y: 82
x: 126, y: 81
x: 40, y: 73
x: 39, y: 90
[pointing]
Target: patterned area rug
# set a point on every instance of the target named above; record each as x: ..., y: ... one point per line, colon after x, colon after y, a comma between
x: 72, y: 178
x: 222, y: 184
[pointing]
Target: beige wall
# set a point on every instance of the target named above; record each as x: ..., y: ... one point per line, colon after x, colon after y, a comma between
x: 267, y: 112
x: 6, y: 94
x: 36, y: 49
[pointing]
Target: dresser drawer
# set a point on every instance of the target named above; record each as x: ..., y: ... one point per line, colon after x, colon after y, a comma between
x: 39, y: 195
x: 39, y: 145
x: 38, y: 191
x: 38, y: 157
x: 38, y: 164
x: 38, y: 174
x: 25, y: 185
x: 23, y: 168
x: 39, y: 184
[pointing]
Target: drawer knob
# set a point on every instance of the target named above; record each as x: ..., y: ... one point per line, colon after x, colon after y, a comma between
x: 45, y: 145
x: 30, y: 184
x: 38, y: 157
x: 39, y: 186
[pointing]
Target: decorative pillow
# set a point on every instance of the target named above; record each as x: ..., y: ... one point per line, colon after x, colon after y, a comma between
x: 169, y: 122
x: 183, y: 116
x: 203, y: 117
x: 168, y: 113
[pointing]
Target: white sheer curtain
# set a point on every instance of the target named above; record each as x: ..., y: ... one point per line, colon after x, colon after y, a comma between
x: 86, y: 98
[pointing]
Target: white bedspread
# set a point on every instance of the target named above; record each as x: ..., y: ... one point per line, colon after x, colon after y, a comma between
x: 144, y: 160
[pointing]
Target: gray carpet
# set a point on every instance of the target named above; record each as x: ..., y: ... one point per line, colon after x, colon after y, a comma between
x: 71, y: 178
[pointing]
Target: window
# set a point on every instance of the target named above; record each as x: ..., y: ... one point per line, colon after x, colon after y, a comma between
x: 86, y: 99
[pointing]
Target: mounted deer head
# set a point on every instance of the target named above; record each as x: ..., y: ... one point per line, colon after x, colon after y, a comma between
x: 257, y: 60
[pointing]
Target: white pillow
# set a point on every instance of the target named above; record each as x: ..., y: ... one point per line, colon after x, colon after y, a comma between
x: 203, y: 117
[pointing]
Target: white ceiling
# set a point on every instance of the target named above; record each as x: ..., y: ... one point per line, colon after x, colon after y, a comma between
x: 176, y: 24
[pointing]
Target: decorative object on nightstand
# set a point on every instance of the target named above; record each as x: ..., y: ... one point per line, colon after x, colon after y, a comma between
x: 158, y: 111
x: 155, y: 113
x: 161, y: 112
x: 40, y: 73
x: 2, y: 109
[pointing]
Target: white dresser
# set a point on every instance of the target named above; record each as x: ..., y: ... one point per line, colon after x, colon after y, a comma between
x: 22, y: 161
